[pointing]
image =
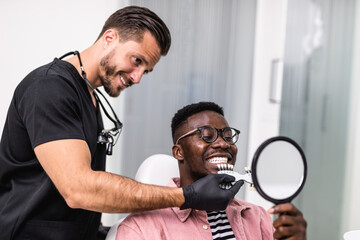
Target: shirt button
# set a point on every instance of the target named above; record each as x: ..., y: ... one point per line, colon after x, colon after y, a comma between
x: 205, y: 227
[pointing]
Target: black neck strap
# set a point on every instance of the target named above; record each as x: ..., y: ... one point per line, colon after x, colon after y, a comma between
x: 116, y: 121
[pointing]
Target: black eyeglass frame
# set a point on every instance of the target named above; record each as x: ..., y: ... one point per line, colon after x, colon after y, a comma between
x: 200, y: 129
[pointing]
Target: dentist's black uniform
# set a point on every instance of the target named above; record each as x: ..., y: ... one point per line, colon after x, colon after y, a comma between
x: 51, y: 103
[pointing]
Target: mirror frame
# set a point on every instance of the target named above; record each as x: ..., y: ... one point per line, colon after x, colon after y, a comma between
x: 254, y: 166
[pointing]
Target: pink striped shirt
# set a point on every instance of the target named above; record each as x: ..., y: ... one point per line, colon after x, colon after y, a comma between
x: 248, y: 221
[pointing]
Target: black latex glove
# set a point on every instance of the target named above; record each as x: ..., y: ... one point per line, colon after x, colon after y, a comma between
x: 205, y: 193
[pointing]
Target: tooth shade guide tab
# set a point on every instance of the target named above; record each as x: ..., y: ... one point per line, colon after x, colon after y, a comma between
x: 246, y: 177
x: 222, y: 166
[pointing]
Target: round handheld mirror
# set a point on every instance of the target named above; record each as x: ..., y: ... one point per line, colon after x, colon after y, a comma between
x: 279, y: 169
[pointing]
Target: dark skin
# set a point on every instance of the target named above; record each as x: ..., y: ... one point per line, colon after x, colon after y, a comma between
x: 194, y: 157
x: 290, y: 226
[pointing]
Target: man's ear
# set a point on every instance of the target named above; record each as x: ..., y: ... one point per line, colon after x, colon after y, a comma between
x: 109, y: 37
x: 177, y: 152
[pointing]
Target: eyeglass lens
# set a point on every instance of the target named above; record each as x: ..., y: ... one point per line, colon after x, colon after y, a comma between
x: 209, y: 134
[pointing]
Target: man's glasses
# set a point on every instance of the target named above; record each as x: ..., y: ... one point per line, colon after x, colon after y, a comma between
x: 210, y: 134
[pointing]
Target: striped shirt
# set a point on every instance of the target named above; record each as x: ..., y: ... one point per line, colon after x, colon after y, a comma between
x: 220, y: 226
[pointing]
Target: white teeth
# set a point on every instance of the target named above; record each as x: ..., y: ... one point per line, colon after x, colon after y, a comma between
x: 122, y: 80
x: 218, y: 160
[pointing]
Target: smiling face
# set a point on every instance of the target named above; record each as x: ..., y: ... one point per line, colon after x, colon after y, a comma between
x: 125, y: 63
x: 196, y: 157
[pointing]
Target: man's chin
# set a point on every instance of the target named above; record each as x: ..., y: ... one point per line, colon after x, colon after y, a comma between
x: 115, y: 95
x: 112, y: 93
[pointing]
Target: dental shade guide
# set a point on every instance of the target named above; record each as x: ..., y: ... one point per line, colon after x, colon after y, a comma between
x: 228, y: 169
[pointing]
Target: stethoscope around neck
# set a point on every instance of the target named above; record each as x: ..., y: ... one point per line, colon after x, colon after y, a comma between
x: 106, y: 136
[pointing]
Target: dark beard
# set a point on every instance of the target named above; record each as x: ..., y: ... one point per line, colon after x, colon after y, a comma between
x: 108, y: 88
x: 109, y: 71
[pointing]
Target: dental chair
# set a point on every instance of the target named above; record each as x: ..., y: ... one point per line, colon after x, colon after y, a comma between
x: 157, y: 169
x: 352, y: 235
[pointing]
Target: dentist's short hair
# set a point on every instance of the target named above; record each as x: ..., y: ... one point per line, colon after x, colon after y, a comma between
x: 132, y: 22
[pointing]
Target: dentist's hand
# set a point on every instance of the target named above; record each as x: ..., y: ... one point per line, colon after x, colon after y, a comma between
x: 290, y: 223
x: 205, y: 193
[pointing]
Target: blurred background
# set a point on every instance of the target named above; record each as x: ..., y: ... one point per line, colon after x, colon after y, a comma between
x: 278, y: 67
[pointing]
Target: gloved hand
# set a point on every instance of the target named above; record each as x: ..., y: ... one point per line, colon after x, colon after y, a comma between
x: 205, y: 193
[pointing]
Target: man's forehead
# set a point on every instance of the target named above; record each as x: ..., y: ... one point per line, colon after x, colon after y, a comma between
x: 204, y: 118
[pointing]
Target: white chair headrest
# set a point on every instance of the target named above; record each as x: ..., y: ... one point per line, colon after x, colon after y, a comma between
x: 352, y: 235
x: 158, y: 169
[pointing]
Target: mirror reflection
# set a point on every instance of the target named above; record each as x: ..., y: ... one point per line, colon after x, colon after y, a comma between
x: 279, y: 169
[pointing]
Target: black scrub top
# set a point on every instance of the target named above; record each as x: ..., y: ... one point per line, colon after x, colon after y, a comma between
x: 49, y: 104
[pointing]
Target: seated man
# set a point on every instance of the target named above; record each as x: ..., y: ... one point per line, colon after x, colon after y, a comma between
x: 203, y: 140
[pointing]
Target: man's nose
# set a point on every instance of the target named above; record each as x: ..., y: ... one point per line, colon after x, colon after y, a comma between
x: 220, y: 142
x: 136, y: 75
